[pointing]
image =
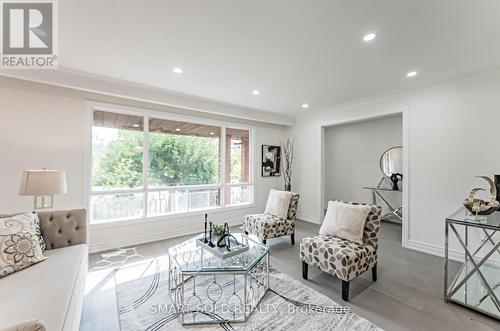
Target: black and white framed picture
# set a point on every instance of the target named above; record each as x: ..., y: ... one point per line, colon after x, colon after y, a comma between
x: 271, y: 161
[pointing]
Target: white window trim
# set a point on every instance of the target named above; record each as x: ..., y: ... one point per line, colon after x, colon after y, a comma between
x: 91, y: 106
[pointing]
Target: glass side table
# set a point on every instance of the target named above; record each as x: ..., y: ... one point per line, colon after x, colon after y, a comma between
x: 393, y: 210
x: 477, y: 283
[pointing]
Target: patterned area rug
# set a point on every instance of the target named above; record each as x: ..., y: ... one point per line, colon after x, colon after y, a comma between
x: 144, y: 304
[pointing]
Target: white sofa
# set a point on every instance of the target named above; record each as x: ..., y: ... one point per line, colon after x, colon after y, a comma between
x: 49, y: 295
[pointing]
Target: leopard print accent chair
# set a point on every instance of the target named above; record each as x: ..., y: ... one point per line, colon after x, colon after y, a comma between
x: 266, y: 226
x: 343, y: 258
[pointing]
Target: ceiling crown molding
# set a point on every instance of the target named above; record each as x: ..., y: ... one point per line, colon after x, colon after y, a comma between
x: 118, y: 88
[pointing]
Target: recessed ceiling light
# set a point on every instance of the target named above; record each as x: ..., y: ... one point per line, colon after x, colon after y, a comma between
x: 212, y: 133
x: 411, y: 74
x: 255, y: 92
x: 136, y: 125
x: 370, y: 36
x: 177, y: 129
x: 305, y: 105
x: 178, y: 70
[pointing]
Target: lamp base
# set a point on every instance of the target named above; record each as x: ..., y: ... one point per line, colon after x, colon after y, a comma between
x: 44, y: 201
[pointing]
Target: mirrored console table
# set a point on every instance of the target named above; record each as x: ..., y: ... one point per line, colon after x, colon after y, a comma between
x: 477, y: 283
x: 393, y: 210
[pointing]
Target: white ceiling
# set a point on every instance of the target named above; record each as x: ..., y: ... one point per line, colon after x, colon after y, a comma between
x: 294, y: 52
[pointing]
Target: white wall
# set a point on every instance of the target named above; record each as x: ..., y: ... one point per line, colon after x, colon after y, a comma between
x: 39, y: 130
x: 44, y: 126
x: 453, y: 133
x: 352, y: 158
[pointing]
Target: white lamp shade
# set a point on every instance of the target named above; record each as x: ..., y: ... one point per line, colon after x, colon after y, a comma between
x: 43, y: 182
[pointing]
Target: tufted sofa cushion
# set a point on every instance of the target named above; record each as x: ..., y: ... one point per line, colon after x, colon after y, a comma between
x: 64, y: 228
x: 59, y: 279
x: 51, y: 291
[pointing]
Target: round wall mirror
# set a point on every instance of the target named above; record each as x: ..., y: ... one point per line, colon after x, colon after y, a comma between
x: 391, y: 161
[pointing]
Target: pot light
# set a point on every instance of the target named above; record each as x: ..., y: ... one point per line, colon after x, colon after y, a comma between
x: 177, y: 129
x: 178, y: 70
x: 370, y: 36
x: 136, y: 125
x: 212, y: 133
x: 255, y: 92
x: 411, y: 74
x: 305, y: 105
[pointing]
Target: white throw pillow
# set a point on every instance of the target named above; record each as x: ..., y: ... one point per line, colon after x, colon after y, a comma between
x: 278, y: 203
x: 345, y: 221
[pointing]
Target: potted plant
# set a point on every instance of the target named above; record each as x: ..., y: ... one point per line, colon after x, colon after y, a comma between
x: 218, y: 231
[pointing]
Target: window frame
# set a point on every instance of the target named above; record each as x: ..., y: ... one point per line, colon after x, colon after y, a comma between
x: 145, y: 189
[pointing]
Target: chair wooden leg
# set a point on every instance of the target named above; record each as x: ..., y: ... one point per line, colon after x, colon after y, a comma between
x: 292, y: 238
x: 345, y: 290
x: 263, y: 241
x: 374, y: 273
x: 304, y: 270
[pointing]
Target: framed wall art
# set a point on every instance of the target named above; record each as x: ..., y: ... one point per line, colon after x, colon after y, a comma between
x: 271, y: 161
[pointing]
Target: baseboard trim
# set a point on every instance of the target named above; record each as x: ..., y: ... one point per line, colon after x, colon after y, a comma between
x: 453, y: 254
x: 433, y: 250
x: 184, y: 231
x: 308, y: 218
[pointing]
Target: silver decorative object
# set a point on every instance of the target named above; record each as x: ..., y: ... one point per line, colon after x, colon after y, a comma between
x: 224, y: 252
x: 391, y: 165
x: 479, y: 206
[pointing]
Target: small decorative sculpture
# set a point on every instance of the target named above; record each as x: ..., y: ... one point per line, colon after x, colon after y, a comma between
x: 395, y: 178
x: 225, y: 239
x: 481, y: 207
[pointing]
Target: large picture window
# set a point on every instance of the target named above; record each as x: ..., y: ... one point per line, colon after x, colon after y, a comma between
x: 145, y: 165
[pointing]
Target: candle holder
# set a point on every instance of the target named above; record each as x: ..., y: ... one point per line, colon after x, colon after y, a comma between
x: 205, y: 240
x: 210, y: 243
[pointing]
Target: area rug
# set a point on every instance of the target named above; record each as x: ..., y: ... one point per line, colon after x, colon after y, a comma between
x: 144, y: 304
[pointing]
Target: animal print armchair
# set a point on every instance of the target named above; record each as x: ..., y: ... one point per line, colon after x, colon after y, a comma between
x: 266, y: 226
x: 341, y: 257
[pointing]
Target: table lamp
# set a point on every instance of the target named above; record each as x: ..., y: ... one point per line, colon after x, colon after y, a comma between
x: 43, y: 184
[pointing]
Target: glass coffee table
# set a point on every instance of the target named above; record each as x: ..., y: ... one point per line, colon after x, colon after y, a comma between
x: 208, y: 289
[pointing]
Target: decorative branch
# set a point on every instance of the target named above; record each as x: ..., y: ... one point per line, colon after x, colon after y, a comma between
x: 287, y: 161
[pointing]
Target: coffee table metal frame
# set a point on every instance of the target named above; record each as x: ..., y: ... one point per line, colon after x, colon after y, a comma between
x: 256, y: 284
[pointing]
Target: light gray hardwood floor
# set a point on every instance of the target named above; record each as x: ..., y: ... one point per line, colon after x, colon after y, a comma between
x: 407, y: 295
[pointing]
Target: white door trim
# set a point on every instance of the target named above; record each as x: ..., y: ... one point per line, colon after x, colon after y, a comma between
x: 403, y: 110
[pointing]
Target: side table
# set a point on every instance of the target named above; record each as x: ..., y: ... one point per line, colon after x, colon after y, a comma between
x: 394, y: 211
x: 477, y: 283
